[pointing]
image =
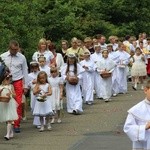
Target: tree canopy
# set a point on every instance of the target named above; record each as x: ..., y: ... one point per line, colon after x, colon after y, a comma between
x: 27, y: 21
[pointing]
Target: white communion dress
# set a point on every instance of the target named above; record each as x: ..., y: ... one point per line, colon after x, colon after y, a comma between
x: 8, y: 111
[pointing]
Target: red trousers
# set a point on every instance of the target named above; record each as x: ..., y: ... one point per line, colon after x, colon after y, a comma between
x: 18, y: 87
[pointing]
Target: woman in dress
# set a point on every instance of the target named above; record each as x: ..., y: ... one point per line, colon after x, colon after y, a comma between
x: 43, y: 51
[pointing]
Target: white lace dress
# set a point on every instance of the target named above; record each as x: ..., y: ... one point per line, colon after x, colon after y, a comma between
x: 138, y: 67
x: 55, y: 97
x: 8, y: 111
x: 43, y: 108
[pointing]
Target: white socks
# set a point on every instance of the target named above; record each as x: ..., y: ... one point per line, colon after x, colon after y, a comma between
x: 135, y: 85
x: 9, y: 130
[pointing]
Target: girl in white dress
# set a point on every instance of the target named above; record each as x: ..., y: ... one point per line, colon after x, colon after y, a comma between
x: 8, y: 106
x: 72, y: 73
x: 43, y: 108
x: 138, y: 70
x: 88, y: 78
x: 106, y: 66
x: 57, y: 92
x: 32, y: 77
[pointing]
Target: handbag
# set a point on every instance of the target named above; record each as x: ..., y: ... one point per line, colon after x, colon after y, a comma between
x: 4, y: 92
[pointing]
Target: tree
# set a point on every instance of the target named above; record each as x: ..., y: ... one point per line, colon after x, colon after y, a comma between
x: 28, y: 21
x: 21, y: 22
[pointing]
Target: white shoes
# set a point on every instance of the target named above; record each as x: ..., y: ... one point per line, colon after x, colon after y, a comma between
x: 11, y: 135
x: 53, y: 121
x: 59, y: 120
x: 41, y: 129
x: 89, y: 103
x: 49, y: 127
x: 114, y: 94
x: 38, y: 127
x: 142, y: 88
x: 108, y: 100
x: 24, y: 118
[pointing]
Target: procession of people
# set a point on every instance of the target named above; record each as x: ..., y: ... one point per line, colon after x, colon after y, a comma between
x: 84, y: 71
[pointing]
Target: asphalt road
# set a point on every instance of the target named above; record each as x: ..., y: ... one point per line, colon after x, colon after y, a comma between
x: 98, y: 128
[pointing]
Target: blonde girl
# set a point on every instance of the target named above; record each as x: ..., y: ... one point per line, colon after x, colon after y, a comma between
x: 43, y: 108
x: 57, y: 94
x: 138, y: 70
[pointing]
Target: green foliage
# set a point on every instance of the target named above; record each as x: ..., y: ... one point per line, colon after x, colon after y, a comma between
x: 21, y: 22
x: 27, y: 21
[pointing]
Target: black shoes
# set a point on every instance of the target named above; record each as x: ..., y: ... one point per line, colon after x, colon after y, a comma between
x: 17, y: 130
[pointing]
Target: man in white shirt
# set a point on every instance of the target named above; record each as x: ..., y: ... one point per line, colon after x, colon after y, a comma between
x: 16, y: 62
x: 102, y: 41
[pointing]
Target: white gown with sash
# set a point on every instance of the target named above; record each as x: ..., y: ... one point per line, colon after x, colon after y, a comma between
x: 97, y: 80
x: 106, y: 88
x: 73, y: 92
x: 88, y: 80
x: 122, y: 60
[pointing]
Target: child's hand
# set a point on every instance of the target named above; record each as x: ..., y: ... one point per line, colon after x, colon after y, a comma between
x: 8, y: 95
x: 85, y: 67
x: 147, y: 126
x: 1, y: 90
x: 34, y: 81
x: 38, y: 89
x: 61, y: 96
x: 67, y: 78
x: 143, y: 58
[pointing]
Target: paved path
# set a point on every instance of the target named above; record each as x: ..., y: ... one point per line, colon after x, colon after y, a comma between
x: 99, y: 128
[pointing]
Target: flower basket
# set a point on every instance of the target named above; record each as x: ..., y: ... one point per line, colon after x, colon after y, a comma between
x: 73, y: 80
x: 105, y: 75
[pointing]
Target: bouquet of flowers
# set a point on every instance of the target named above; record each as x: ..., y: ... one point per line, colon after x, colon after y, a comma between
x: 41, y: 96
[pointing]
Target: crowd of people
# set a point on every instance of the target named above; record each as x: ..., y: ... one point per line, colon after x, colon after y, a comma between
x: 77, y: 72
